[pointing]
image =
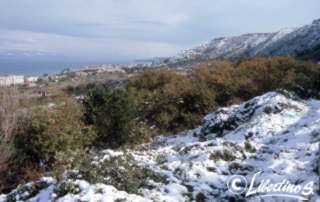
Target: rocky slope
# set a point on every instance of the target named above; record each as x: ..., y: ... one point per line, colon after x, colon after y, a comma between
x: 274, y: 133
x: 286, y: 42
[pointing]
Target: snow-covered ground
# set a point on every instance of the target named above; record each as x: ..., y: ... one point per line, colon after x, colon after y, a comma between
x: 274, y: 133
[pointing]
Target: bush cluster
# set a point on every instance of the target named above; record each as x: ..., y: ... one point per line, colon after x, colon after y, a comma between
x: 114, y: 114
x: 51, y: 131
x: 173, y: 102
x: 49, y: 136
x: 170, y: 101
x: 234, y: 82
x: 11, y: 111
x: 122, y: 172
x: 61, y: 129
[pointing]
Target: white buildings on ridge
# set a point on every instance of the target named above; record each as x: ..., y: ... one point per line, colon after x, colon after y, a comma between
x: 10, y: 80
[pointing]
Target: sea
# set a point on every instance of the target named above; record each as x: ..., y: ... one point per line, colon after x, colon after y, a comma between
x: 39, y: 68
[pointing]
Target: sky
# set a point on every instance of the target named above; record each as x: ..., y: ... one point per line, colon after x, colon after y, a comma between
x: 34, y: 33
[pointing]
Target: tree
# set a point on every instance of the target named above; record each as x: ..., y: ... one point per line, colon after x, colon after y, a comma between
x: 113, y: 113
x: 9, y: 111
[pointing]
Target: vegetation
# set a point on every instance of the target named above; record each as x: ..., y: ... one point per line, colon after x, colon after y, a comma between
x: 113, y: 113
x: 52, y: 133
x: 40, y: 135
x: 170, y: 101
x: 225, y: 155
x: 248, y: 147
x: 173, y: 102
x: 249, y: 78
x: 10, y: 112
x: 122, y: 172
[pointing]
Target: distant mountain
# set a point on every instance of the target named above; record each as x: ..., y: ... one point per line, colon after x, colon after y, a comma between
x: 310, y: 54
x: 303, y: 42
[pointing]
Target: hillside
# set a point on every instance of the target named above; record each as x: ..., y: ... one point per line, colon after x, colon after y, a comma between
x: 286, y: 42
x: 274, y: 133
x: 310, y: 54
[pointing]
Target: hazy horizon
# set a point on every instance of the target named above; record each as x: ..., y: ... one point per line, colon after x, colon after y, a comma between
x: 37, y: 36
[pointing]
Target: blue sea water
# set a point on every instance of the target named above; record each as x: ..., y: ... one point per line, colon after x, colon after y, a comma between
x: 37, y: 68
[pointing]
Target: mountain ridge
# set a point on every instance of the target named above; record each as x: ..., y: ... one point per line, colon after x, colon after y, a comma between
x: 285, y: 42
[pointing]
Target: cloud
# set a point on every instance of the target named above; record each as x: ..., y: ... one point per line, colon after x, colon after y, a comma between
x: 127, y: 29
x: 99, y: 49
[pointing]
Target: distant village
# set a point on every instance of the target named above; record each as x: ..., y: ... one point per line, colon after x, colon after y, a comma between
x: 13, y: 80
x: 10, y: 80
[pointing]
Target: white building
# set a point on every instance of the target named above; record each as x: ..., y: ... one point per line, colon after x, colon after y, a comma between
x: 31, y: 79
x: 10, y: 80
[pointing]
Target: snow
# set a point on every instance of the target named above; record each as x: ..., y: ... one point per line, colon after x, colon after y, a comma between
x: 288, y: 41
x: 283, y: 134
x: 99, y: 192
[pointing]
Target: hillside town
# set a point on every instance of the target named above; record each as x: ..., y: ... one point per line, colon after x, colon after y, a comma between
x: 73, y: 73
x: 11, y: 80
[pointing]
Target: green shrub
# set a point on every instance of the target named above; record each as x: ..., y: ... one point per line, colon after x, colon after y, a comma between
x: 225, y: 155
x: 65, y: 187
x: 173, y: 102
x: 248, y: 78
x: 200, y: 197
x: 317, y: 169
x: 10, y: 111
x: 51, y: 131
x: 27, y: 191
x: 122, y: 172
x: 170, y: 101
x: 218, y: 76
x: 248, y: 147
x: 113, y: 112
